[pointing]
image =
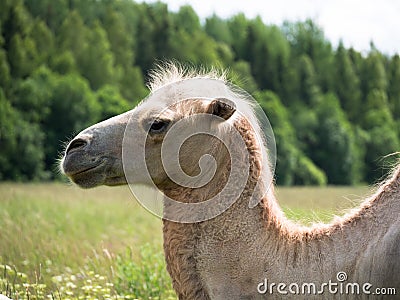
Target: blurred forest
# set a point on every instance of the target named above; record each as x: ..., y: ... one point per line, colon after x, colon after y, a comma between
x: 66, y: 64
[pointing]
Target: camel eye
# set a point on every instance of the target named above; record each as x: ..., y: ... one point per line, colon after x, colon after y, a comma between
x: 158, y: 126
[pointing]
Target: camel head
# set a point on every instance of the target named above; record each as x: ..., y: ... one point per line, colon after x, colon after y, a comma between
x: 95, y: 156
x: 192, y: 133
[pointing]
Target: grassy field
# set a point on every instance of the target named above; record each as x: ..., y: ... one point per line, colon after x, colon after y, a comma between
x: 61, y: 242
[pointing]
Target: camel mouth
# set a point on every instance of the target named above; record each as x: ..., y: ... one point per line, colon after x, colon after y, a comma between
x: 86, y: 170
x: 104, y: 172
x: 73, y: 172
x: 87, y: 176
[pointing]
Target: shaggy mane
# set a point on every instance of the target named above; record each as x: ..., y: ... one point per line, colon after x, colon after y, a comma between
x: 172, y: 72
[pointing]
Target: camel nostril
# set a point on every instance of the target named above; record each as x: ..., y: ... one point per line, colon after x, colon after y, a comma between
x: 76, y: 144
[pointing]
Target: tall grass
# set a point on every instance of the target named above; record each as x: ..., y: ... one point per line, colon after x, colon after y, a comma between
x: 61, y: 242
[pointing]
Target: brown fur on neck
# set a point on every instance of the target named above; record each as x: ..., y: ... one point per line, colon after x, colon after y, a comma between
x: 288, y: 239
x: 180, y: 240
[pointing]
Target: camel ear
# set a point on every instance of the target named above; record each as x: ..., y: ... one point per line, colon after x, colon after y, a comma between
x: 222, y: 107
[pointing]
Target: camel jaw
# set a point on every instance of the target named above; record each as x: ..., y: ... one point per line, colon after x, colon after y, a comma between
x: 90, y: 173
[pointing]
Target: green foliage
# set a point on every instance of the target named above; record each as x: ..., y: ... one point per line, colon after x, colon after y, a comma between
x: 111, y: 102
x: 141, y: 278
x: 22, y: 56
x: 120, y: 42
x: 97, y: 61
x: 5, y: 76
x: 44, y: 41
x: 187, y: 20
x: 382, y: 135
x: 65, y: 64
x: 21, y: 150
x: 218, y: 29
x: 241, y: 76
x: 394, y: 89
x: 347, y: 84
x: 336, y: 148
x: 72, y: 35
x: 307, y: 38
x: 32, y: 96
x: 73, y: 107
x: 238, y: 26
x: 293, y: 167
x: 309, y: 92
x: 267, y: 60
x: 59, y: 242
x: 309, y: 173
x: 52, y: 15
x: 145, y: 276
x: 131, y: 85
x: 374, y: 73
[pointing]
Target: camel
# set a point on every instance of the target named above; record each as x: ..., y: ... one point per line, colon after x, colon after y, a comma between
x: 244, y: 251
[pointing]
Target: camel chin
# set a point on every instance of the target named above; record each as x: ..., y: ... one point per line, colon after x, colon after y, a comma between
x: 88, y: 178
x: 91, y: 172
x: 97, y: 180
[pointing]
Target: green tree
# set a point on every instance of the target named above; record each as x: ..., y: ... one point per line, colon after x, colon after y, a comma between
x: 186, y: 19
x: 357, y: 61
x: 218, y: 29
x: 336, y: 150
x: 224, y: 54
x: 21, y: 145
x: 292, y: 166
x: 238, y: 26
x: 145, y: 50
x: 132, y: 85
x: 111, y: 102
x: 394, y: 89
x: 51, y: 12
x: 44, y: 41
x: 307, y: 38
x: 241, y: 76
x: 32, y: 96
x: 162, y: 22
x: 5, y: 77
x: 15, y: 20
x: 8, y: 140
x: 22, y: 56
x: 72, y: 36
x: 119, y: 37
x: 382, y: 135
x: 347, y: 84
x: 309, y: 93
x: 374, y: 74
x: 97, y: 61
x: 73, y: 107
x: 63, y: 63
x: 6, y: 7
x: 268, y: 53
x: 197, y: 49
x: 189, y: 43
x: 377, y: 119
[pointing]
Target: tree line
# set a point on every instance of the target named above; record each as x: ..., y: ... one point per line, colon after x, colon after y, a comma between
x: 66, y: 64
